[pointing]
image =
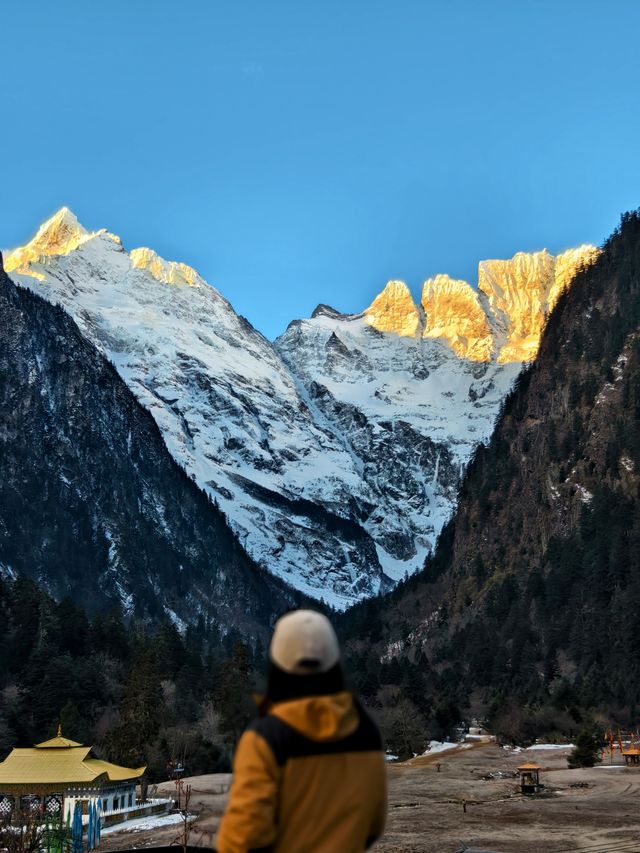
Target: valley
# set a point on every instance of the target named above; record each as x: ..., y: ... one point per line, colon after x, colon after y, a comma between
x: 320, y: 427
x: 583, y: 811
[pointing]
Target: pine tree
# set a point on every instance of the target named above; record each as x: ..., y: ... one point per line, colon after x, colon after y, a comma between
x: 587, y: 750
x: 231, y: 697
x: 140, y: 713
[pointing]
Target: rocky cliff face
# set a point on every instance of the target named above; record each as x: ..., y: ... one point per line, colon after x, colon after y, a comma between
x: 91, y: 502
x: 336, y: 454
x: 521, y: 293
x: 394, y: 311
x: 455, y: 315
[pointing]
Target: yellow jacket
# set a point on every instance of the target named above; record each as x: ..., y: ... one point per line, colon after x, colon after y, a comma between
x: 309, y: 777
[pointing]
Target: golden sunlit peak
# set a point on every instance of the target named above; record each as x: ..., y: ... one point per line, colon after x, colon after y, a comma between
x: 63, y: 227
x: 169, y: 272
x: 64, y: 215
x: 59, y: 235
x: 453, y: 313
x: 522, y: 291
x: 394, y: 310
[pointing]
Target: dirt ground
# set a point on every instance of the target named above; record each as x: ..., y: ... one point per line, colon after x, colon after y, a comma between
x: 426, y: 814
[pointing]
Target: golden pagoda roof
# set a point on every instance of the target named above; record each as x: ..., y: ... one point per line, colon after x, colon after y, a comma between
x: 114, y: 772
x: 60, y: 762
x: 58, y: 742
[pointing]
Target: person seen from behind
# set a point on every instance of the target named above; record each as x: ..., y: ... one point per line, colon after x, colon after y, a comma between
x: 309, y: 773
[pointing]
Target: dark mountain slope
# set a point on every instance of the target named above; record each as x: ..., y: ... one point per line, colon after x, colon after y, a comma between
x: 91, y: 503
x: 534, y: 589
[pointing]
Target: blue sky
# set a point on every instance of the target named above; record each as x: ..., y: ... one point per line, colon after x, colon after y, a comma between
x: 305, y: 152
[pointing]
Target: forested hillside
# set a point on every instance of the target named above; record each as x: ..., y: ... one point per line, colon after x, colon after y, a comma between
x: 138, y: 694
x: 533, y: 594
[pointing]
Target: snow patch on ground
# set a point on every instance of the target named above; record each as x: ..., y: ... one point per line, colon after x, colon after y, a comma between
x: 585, y: 495
x: 145, y: 823
x: 441, y: 746
x: 626, y: 463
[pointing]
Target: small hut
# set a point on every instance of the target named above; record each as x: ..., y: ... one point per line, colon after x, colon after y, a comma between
x: 529, y: 778
x: 629, y: 748
x: 631, y: 756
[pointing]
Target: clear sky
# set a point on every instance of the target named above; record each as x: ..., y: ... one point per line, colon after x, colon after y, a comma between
x: 298, y: 152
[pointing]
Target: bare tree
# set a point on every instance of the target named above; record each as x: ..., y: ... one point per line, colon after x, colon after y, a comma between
x: 188, y: 822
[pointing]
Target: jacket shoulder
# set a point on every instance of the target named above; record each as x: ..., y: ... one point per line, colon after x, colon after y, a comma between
x: 285, y: 742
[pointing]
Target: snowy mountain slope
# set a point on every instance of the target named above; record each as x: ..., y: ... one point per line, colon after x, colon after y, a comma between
x: 228, y: 408
x: 335, y: 454
x: 414, y: 389
x: 92, y: 503
x: 411, y: 411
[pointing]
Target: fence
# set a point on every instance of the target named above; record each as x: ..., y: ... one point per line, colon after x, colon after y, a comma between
x: 156, y: 805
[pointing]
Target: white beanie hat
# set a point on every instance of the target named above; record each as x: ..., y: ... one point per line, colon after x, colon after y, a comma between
x: 304, y: 643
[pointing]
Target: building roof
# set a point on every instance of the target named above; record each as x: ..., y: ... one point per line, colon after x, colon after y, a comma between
x: 60, y: 762
x: 58, y: 742
x: 529, y: 767
x: 114, y: 772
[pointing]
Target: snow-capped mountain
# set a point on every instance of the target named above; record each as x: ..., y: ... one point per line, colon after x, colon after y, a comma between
x: 91, y: 502
x: 336, y: 453
x: 409, y: 411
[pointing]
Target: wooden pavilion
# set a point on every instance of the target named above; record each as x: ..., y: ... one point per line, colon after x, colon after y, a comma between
x: 529, y: 778
x: 629, y: 748
x: 631, y: 756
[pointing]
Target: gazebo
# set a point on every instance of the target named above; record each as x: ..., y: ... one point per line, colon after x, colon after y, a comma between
x: 629, y: 748
x: 55, y: 774
x: 631, y: 756
x: 529, y: 778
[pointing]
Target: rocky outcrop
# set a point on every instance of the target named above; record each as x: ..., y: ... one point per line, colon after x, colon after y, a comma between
x: 521, y: 293
x: 454, y: 314
x: 394, y: 310
x: 168, y: 272
x: 502, y: 320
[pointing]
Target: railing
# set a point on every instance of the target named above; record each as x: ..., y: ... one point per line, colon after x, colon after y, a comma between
x: 156, y: 801
x: 140, y: 809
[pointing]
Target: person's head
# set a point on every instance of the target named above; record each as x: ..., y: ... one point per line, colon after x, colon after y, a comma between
x: 304, y: 657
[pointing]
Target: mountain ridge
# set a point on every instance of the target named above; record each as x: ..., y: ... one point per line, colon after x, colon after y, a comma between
x: 368, y: 425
